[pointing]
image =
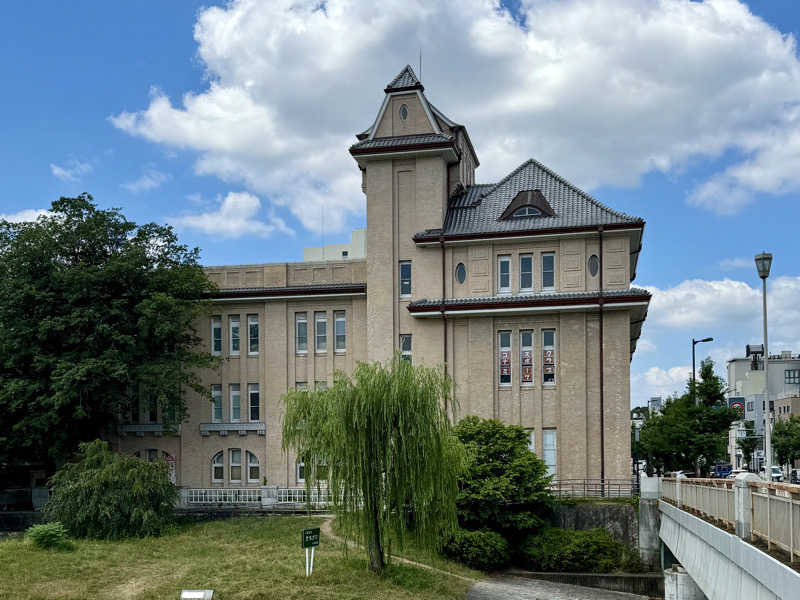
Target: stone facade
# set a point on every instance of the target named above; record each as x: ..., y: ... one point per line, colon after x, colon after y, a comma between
x: 521, y: 320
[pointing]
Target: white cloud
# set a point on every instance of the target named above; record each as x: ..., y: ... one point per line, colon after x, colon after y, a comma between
x: 73, y: 170
x: 149, y: 180
x: 726, y: 303
x: 28, y: 214
x: 656, y: 381
x: 237, y: 216
x: 601, y: 90
x: 645, y: 345
x: 731, y: 264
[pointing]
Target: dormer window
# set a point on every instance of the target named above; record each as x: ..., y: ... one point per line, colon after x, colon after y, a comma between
x: 528, y: 203
x: 404, y: 112
x: 527, y: 211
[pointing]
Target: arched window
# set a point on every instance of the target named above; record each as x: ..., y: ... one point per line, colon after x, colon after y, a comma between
x: 218, y: 467
x: 253, y: 469
x: 527, y: 211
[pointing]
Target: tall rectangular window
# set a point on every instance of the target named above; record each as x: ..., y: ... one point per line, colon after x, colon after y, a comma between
x: 152, y: 406
x: 531, y: 440
x: 321, y: 331
x: 548, y: 271
x: 405, y: 346
x: 550, y: 450
x: 233, y: 321
x: 236, y: 403
x: 236, y: 464
x: 340, y: 330
x: 254, y: 401
x: 252, y: 334
x: 791, y: 376
x: 504, y: 356
x: 549, y: 356
x: 405, y: 278
x: 504, y: 275
x: 216, y: 335
x: 216, y: 403
x: 301, y: 470
x: 525, y: 272
x: 526, y: 356
x: 300, y: 333
x: 135, y: 408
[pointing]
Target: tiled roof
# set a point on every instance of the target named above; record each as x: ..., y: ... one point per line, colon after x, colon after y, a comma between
x: 478, y: 209
x: 402, y: 140
x: 405, y: 79
x: 531, y: 298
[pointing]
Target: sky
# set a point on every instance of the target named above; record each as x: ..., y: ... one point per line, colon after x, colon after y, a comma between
x: 231, y: 122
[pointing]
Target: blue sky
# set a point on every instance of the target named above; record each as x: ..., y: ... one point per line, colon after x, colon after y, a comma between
x: 232, y: 124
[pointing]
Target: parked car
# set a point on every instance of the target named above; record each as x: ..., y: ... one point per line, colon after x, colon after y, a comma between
x: 777, y: 474
x: 735, y: 472
x: 721, y: 471
x: 794, y: 476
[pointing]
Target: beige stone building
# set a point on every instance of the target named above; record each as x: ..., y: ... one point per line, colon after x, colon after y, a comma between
x: 521, y: 288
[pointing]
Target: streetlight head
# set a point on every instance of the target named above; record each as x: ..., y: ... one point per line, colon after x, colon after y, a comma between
x: 763, y: 264
x: 707, y: 339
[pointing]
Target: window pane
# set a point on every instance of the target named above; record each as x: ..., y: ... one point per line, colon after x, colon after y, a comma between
x: 236, y: 464
x: 405, y: 346
x: 548, y: 270
x: 526, y: 356
x: 504, y: 274
x: 321, y: 331
x: 234, y: 326
x: 236, y: 403
x: 301, y: 470
x: 526, y: 272
x: 301, y: 332
x: 340, y: 328
x: 216, y: 395
x: 252, y: 332
x: 216, y: 335
x: 504, y: 356
x: 548, y: 356
x: 549, y: 450
x: 254, y: 401
x: 405, y: 278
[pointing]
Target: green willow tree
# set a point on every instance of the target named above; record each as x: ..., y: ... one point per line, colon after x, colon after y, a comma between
x: 97, y: 313
x: 382, y: 441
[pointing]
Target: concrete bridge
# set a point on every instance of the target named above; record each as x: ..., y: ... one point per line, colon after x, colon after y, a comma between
x: 712, y: 527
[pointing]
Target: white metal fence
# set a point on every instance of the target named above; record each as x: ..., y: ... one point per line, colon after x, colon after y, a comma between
x: 594, y: 488
x: 317, y: 497
x: 224, y: 496
x: 776, y: 515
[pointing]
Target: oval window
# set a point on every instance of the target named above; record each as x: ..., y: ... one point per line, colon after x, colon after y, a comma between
x: 404, y: 112
x: 594, y: 265
x: 461, y: 273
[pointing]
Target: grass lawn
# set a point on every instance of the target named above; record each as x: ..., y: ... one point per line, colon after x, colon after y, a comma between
x: 246, y: 558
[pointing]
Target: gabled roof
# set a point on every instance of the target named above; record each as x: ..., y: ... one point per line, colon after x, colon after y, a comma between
x: 400, y: 141
x: 478, y: 210
x: 406, y: 80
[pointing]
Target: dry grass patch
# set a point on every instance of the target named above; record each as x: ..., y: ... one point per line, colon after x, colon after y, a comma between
x: 243, y: 559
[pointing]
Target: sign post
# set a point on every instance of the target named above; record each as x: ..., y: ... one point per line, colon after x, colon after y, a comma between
x: 310, y: 539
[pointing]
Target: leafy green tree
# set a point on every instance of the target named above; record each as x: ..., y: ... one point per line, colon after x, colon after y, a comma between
x: 749, y: 442
x: 786, y: 440
x: 382, y: 440
x: 505, y: 486
x: 107, y: 495
x: 690, y: 431
x: 97, y: 313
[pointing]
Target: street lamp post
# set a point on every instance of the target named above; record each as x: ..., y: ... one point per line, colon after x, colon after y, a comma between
x: 694, y: 383
x: 763, y: 265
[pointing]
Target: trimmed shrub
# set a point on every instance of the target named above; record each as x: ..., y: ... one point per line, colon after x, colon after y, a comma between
x: 49, y: 536
x: 570, y: 551
x: 483, y: 550
x: 108, y: 495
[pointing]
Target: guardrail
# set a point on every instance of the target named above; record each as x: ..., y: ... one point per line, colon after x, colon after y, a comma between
x: 594, y: 488
x: 755, y: 509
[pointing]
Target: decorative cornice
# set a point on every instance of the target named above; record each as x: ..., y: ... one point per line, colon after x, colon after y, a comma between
x: 434, y: 237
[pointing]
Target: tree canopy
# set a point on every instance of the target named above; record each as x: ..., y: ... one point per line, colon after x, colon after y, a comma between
x: 96, y: 316
x: 505, y: 485
x: 382, y: 441
x: 691, y: 429
x: 749, y: 442
x: 786, y: 440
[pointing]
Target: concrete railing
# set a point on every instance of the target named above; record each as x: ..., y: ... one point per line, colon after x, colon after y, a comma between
x: 755, y: 509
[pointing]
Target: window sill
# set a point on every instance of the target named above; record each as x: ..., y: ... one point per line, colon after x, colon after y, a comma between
x: 340, y: 352
x: 301, y: 353
x: 252, y: 354
x: 321, y: 353
x: 223, y: 429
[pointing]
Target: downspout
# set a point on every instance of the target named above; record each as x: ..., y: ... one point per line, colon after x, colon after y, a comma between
x: 602, y: 397
x: 444, y: 317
